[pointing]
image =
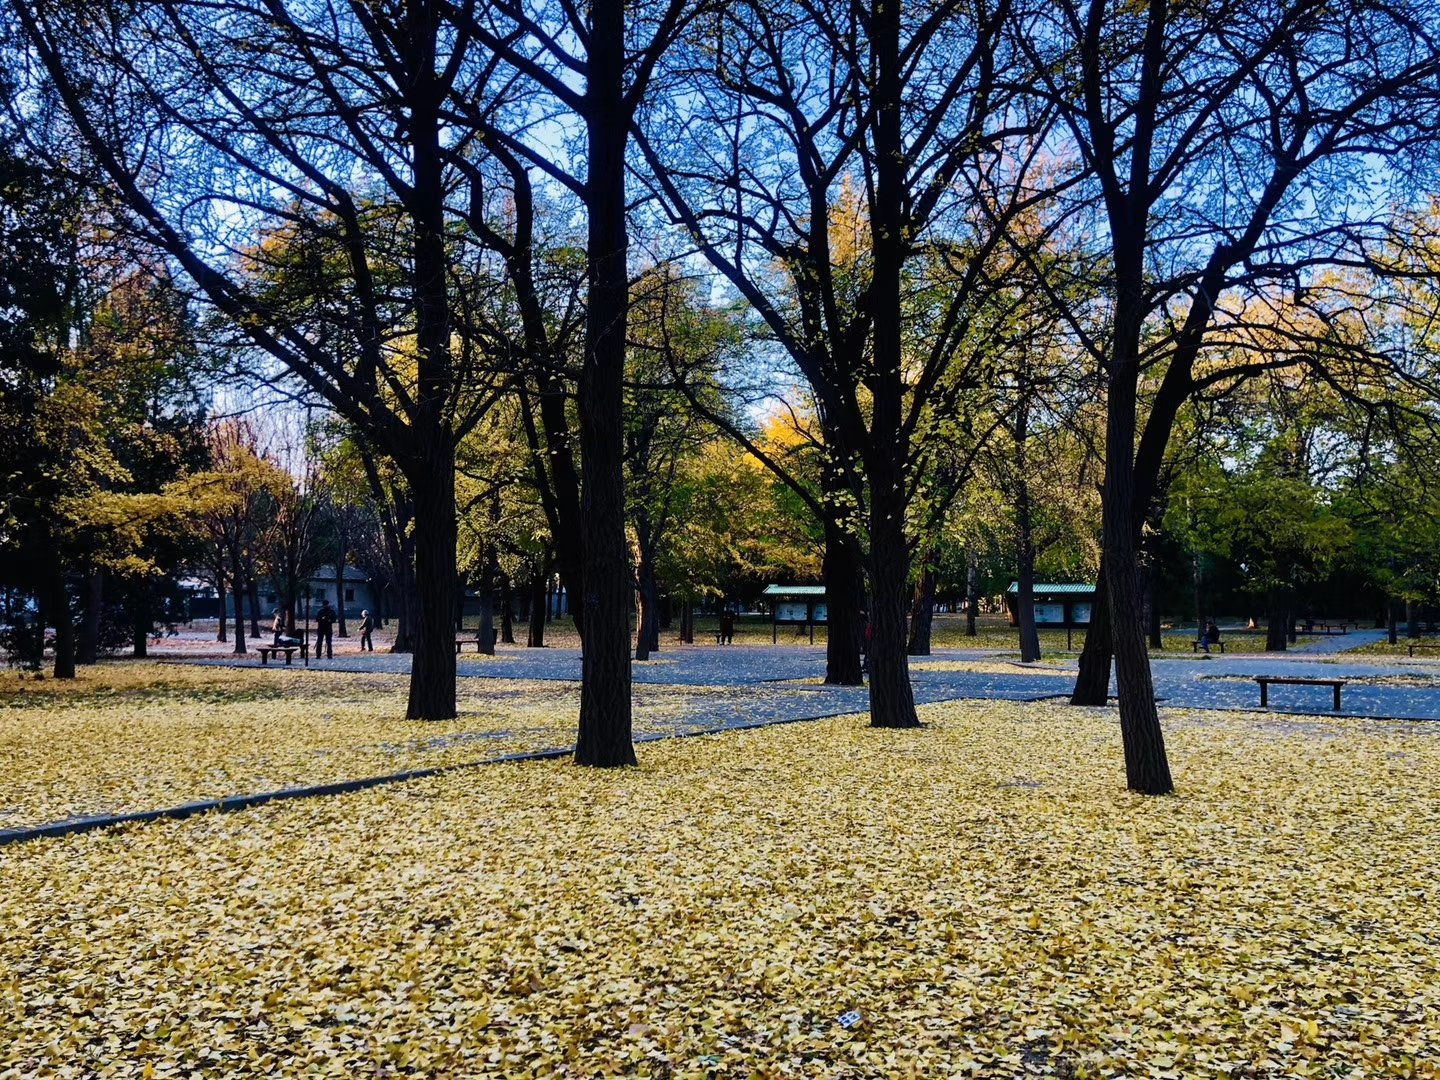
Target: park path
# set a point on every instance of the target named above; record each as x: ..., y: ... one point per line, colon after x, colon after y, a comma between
x: 1340, y: 643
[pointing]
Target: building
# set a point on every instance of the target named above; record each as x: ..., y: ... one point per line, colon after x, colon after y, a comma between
x: 355, y: 592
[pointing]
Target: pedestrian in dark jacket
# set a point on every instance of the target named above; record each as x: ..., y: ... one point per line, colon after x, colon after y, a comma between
x: 325, y: 631
x: 367, y: 624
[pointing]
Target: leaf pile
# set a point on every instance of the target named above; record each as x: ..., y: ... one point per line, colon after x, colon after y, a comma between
x: 981, y: 892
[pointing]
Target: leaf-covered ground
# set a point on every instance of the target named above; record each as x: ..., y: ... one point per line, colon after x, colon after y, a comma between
x: 990, y: 667
x: 982, y: 892
x: 138, y: 736
x: 1384, y: 649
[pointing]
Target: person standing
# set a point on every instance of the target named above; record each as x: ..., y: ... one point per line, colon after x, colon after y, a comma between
x: 325, y: 631
x: 367, y: 624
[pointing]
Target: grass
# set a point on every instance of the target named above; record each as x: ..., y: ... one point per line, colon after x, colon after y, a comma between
x: 982, y: 892
x: 1401, y: 648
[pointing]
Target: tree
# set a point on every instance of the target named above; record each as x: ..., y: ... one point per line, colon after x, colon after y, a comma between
x: 613, y: 53
x: 241, y: 486
x: 329, y: 135
x: 814, y: 186
x: 1219, y: 144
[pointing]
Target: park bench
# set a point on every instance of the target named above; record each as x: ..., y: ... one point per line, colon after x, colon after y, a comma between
x: 1266, y: 680
x: 1195, y: 645
x: 1421, y: 645
x: 266, y: 651
x: 461, y: 642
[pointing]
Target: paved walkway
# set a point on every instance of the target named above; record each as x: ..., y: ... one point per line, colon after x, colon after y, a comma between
x: 1339, y: 643
x: 1400, y: 688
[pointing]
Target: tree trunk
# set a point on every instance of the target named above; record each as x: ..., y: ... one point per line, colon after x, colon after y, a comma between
x: 1024, y: 538
x: 972, y: 594
x: 1092, y: 684
x: 507, y: 616
x: 1147, y: 768
x: 892, y: 702
x: 222, y: 633
x: 1277, y: 622
x: 1025, y: 575
x: 922, y: 612
x: 647, y: 597
x: 1197, y: 581
x: 604, y: 737
x: 140, y: 621
x: 432, y: 671
x: 1412, y: 622
x: 687, y: 623
x: 407, y: 604
x: 64, y: 628
x: 87, y: 648
x: 1392, y: 629
x: 845, y: 610
x: 397, y: 511
x: 340, y: 591
x: 252, y: 591
x: 539, y: 597
x: 486, y: 630
x: 237, y: 589
x: 1152, y: 611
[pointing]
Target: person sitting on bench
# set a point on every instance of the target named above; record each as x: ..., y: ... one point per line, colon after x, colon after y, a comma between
x: 1209, y: 636
x: 278, y: 626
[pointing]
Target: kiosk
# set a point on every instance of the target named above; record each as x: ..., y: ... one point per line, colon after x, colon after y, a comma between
x: 796, y: 605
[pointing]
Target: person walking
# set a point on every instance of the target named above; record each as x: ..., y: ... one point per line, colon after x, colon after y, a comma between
x: 367, y: 624
x: 325, y: 631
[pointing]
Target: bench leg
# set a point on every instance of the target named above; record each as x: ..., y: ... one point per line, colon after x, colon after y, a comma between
x: 264, y: 658
x: 1264, y: 694
x: 1337, y: 699
x: 289, y: 658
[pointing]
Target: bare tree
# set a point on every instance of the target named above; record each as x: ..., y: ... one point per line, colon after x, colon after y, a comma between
x: 1226, y: 150
x: 611, y: 53
x: 292, y: 160
x: 823, y: 159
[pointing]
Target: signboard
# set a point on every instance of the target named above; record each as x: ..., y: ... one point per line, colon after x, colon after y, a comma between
x: 792, y: 611
x: 1080, y: 613
x: 1049, y: 613
x: 822, y: 612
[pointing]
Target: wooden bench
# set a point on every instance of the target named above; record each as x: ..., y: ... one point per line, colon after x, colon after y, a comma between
x: 266, y: 651
x: 461, y: 642
x: 1195, y: 645
x: 1421, y: 645
x: 1266, y: 680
